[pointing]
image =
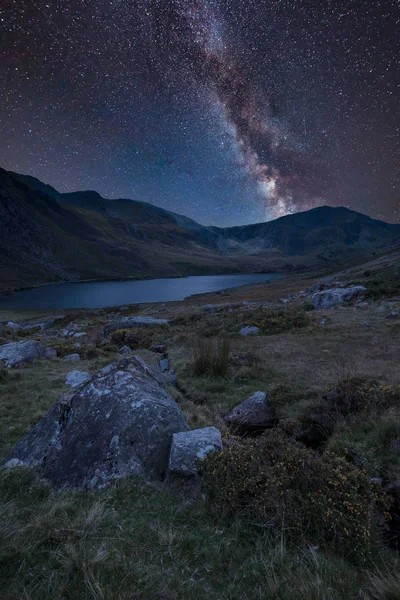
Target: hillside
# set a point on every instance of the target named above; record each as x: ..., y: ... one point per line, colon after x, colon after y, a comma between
x: 47, y: 236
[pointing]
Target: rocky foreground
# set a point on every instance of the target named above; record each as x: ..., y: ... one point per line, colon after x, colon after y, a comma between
x: 142, y: 445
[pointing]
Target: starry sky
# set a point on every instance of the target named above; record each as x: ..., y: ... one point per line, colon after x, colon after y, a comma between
x: 227, y: 111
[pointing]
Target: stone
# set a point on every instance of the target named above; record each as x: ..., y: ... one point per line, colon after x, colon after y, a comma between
x: 132, y: 322
x: 50, y: 353
x: 16, y: 354
x: 161, y: 348
x: 188, y: 448
x: 171, y: 377
x: 80, y: 334
x: 74, y: 357
x: 13, y: 463
x: 322, y: 322
x: 249, y: 331
x: 252, y: 414
x: 75, y: 378
x: 337, y: 296
x: 125, y: 350
x: 164, y: 365
x: 13, y: 326
x: 119, y: 423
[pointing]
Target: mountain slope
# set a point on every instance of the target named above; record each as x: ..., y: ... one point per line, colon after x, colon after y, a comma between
x: 48, y: 236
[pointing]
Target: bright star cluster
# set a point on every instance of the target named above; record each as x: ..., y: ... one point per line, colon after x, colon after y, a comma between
x: 228, y: 111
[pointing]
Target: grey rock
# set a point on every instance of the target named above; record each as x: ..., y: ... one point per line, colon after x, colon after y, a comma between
x: 337, y: 296
x: 190, y: 447
x: 316, y: 287
x: 120, y: 423
x: 50, y: 353
x: 160, y: 348
x: 73, y: 357
x: 393, y: 315
x: 125, y: 350
x: 171, y: 377
x: 132, y: 322
x: 80, y: 334
x: 164, y: 365
x: 13, y: 463
x: 249, y: 331
x: 73, y: 326
x: 16, y: 354
x: 252, y: 413
x: 75, y: 378
x: 322, y: 322
x: 13, y: 326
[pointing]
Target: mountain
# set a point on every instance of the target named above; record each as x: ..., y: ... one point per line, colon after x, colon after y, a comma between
x: 48, y: 236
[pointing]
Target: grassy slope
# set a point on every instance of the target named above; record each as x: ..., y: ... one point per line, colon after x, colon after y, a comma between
x: 153, y: 542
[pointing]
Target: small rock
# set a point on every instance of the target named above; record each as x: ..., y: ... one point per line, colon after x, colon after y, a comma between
x: 132, y: 322
x: 171, y: 377
x: 80, y: 334
x: 164, y: 365
x: 252, y: 414
x: 160, y: 348
x: 50, y: 353
x: 393, y: 315
x: 249, y: 331
x: 125, y: 350
x: 73, y: 357
x: 322, y: 322
x: 13, y: 463
x: 13, y: 326
x: 190, y: 447
x: 75, y: 378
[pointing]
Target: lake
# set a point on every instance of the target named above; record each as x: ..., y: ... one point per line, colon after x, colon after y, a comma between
x: 98, y: 294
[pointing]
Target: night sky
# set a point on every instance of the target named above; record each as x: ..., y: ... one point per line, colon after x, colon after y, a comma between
x: 227, y: 111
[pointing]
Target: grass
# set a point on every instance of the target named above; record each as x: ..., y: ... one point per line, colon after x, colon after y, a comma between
x: 138, y: 541
x: 211, y: 357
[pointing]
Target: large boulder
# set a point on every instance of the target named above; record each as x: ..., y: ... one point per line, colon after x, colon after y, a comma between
x: 118, y: 423
x: 16, y: 354
x: 251, y: 414
x: 190, y: 447
x: 337, y: 296
x: 132, y: 323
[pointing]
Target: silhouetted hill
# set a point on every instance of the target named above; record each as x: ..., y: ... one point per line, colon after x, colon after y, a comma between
x: 48, y: 236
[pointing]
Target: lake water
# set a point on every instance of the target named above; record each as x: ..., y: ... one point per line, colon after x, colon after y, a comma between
x: 116, y: 293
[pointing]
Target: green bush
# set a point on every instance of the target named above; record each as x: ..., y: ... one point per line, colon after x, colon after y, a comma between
x: 280, y: 485
x: 274, y: 322
x: 211, y: 357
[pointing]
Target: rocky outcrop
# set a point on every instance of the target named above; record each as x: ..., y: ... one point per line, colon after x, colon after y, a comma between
x: 337, y: 296
x: 16, y: 354
x: 118, y: 423
x: 132, y: 323
x: 190, y: 447
x: 252, y: 414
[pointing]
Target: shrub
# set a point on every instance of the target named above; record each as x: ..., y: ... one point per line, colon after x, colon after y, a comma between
x: 273, y: 322
x: 211, y: 357
x: 279, y: 484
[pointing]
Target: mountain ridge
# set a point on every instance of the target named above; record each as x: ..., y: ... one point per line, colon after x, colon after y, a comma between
x: 48, y: 236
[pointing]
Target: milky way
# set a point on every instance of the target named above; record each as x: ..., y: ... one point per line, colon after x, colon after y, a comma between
x: 229, y: 111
